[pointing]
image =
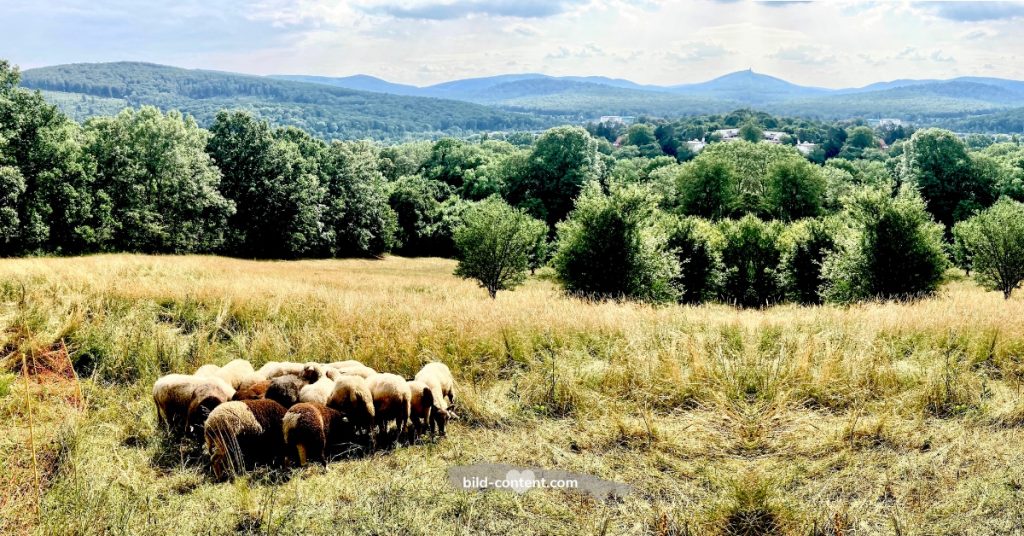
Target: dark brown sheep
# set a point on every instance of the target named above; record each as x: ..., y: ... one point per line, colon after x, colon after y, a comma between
x: 310, y: 429
x: 243, y: 434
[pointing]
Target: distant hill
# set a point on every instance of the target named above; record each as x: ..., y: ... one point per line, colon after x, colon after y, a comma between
x: 363, y: 106
x: 323, y: 110
x: 359, y: 82
x: 748, y: 87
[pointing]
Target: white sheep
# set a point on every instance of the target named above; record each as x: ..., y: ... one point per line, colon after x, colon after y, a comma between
x: 318, y: 391
x: 352, y: 367
x: 237, y: 373
x: 421, y: 404
x: 439, y: 379
x: 392, y: 401
x: 353, y: 399
x: 183, y: 401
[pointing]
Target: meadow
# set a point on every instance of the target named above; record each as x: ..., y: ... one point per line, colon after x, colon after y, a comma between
x: 878, y: 418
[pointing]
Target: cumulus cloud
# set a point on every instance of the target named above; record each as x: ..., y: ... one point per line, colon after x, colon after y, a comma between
x: 805, y: 54
x: 978, y: 33
x: 694, y: 51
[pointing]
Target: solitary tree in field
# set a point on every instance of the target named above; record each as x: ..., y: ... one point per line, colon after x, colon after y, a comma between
x: 994, y: 242
x: 495, y: 243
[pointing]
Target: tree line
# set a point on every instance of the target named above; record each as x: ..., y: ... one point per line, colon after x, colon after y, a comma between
x: 743, y: 222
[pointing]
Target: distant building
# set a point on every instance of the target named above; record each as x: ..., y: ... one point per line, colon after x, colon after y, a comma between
x: 728, y: 134
x: 616, y: 119
x: 695, y: 146
x: 774, y: 136
x: 889, y: 122
x: 805, y: 147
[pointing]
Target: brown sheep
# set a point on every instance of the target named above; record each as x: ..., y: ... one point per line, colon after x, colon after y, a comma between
x: 392, y: 401
x: 353, y: 399
x: 310, y: 429
x: 253, y: 391
x: 439, y: 379
x: 421, y: 404
x: 285, y: 389
x: 244, y: 434
x: 183, y: 401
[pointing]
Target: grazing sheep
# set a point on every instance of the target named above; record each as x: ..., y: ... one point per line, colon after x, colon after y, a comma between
x: 309, y: 428
x: 243, y: 434
x: 272, y: 369
x: 421, y: 403
x: 352, y: 367
x: 285, y: 390
x: 353, y: 399
x: 318, y: 391
x: 236, y: 373
x: 184, y: 401
x: 392, y: 399
x: 439, y: 379
x: 253, y: 391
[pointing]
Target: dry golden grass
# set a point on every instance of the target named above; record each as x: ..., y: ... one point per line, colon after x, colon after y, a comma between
x: 874, y: 419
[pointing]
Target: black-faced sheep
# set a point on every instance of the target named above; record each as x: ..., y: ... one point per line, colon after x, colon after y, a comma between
x: 244, y: 434
x: 237, y: 373
x: 439, y: 379
x: 421, y: 404
x: 253, y: 391
x: 309, y: 430
x: 183, y: 401
x: 392, y: 400
x: 353, y: 399
x: 285, y: 389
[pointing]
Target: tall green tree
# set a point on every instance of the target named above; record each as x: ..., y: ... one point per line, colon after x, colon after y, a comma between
x: 277, y: 193
x: 360, y: 220
x: 709, y: 188
x: 751, y: 132
x: 993, y: 240
x: 161, y: 185
x: 55, y: 208
x: 796, y: 189
x: 562, y: 161
x: 937, y: 162
x: 494, y: 244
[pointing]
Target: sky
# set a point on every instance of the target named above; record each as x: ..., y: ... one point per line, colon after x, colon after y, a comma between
x: 421, y: 42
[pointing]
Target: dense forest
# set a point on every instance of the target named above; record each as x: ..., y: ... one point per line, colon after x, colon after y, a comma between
x: 324, y: 111
x: 361, y: 107
x: 629, y: 211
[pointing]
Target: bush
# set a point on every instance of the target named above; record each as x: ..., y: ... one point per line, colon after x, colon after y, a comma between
x: 494, y: 244
x: 616, y: 245
x: 695, y: 244
x: 894, y: 250
x: 805, y: 246
x: 993, y: 241
x: 751, y: 254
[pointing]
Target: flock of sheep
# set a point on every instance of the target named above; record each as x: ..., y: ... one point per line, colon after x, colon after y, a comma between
x: 299, y: 412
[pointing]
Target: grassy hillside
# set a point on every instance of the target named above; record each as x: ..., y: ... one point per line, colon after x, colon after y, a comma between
x: 325, y: 111
x: 872, y: 419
